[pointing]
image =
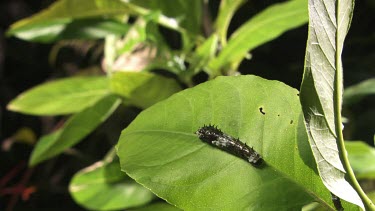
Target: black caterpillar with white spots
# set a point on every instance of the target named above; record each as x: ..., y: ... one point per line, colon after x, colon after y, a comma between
x: 215, y: 137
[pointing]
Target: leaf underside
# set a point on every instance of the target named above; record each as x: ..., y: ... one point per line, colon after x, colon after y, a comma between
x: 327, y: 30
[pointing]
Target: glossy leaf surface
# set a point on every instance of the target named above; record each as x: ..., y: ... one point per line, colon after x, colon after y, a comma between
x: 157, y: 206
x: 160, y: 150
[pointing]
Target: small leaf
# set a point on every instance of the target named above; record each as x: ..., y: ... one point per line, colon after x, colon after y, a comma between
x: 103, y: 186
x: 264, y: 27
x: 362, y: 159
x: 74, y: 130
x: 355, y: 93
x: 62, y: 96
x: 141, y: 88
x: 24, y: 135
x: 160, y: 150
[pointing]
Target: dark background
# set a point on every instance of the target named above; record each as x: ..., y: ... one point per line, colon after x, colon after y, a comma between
x: 24, y: 65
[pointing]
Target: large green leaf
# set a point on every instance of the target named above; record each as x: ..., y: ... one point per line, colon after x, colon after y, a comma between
x: 103, y: 186
x: 143, y: 89
x: 160, y: 206
x: 264, y: 27
x: 49, y: 23
x: 62, y: 96
x: 355, y: 93
x: 321, y: 91
x: 74, y: 130
x: 160, y: 150
x: 362, y: 159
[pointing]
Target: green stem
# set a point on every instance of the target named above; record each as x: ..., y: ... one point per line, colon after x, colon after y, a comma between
x: 369, y: 205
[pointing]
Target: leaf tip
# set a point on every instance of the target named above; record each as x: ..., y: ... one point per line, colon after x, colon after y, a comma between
x: 33, y: 161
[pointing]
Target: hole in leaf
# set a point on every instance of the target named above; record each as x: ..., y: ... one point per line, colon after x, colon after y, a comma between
x: 261, y: 111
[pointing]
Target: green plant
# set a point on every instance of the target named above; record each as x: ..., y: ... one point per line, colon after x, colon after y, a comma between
x: 299, y: 138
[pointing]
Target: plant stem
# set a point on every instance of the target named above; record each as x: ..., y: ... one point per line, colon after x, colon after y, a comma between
x: 369, y: 205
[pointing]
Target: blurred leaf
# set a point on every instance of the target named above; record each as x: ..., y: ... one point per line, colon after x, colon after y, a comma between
x: 321, y: 91
x: 103, y: 186
x: 74, y: 130
x: 265, y: 26
x: 46, y: 25
x: 203, y: 54
x: 137, y: 35
x: 46, y: 32
x: 141, y: 49
x: 159, y: 206
x: 371, y: 195
x: 61, y: 96
x: 141, y: 88
x: 160, y: 150
x: 186, y: 13
x: 355, y: 93
x: 362, y: 159
x: 62, y: 17
x: 25, y: 135
x: 314, y: 206
x: 226, y: 12
x: 93, y: 29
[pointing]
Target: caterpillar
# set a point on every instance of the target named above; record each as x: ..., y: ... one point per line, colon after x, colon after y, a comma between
x: 337, y: 202
x: 213, y: 136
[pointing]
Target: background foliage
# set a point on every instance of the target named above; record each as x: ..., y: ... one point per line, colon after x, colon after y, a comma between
x: 24, y: 65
